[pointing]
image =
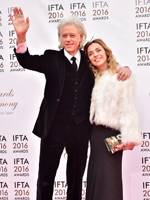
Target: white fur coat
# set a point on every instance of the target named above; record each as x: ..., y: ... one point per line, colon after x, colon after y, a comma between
x: 113, y: 105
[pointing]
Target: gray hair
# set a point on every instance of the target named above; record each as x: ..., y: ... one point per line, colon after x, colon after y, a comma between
x: 77, y: 22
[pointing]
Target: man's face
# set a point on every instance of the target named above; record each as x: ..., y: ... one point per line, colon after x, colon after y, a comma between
x: 70, y: 38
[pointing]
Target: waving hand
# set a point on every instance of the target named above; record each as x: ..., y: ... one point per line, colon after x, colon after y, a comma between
x: 21, y: 25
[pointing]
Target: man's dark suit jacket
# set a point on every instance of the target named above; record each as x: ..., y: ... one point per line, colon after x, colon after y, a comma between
x: 53, y: 64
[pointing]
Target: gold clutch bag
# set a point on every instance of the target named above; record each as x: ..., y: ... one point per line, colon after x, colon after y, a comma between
x: 114, y: 144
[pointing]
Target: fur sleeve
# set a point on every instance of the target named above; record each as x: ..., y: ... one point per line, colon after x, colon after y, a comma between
x: 92, y: 108
x: 129, y: 122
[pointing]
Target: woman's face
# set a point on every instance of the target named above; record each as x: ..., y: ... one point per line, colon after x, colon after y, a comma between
x: 97, y: 56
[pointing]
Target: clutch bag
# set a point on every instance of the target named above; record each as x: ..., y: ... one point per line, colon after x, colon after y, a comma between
x: 114, y: 144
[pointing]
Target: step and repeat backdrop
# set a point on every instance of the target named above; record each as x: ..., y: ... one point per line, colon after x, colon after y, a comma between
x: 125, y: 27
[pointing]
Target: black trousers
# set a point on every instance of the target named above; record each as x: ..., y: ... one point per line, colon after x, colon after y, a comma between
x: 74, y: 137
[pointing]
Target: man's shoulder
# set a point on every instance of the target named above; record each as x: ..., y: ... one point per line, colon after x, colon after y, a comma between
x: 51, y: 52
x: 82, y: 52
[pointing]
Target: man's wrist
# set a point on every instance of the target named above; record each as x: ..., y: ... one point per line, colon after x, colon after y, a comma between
x: 21, y: 48
x: 128, y: 68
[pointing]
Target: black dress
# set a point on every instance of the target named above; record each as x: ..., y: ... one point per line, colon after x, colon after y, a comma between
x: 104, y: 178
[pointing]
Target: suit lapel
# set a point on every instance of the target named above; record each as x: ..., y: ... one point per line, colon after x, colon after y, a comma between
x: 83, y: 63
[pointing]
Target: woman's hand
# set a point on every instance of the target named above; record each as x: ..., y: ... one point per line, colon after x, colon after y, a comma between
x: 21, y: 25
x: 129, y: 146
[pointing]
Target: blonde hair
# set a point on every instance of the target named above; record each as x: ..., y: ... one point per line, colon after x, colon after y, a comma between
x: 111, y: 61
x: 77, y: 22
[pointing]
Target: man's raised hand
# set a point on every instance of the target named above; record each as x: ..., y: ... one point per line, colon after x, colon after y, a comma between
x: 21, y: 25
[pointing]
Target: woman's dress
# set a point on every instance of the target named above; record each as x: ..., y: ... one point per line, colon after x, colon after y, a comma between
x: 104, y: 178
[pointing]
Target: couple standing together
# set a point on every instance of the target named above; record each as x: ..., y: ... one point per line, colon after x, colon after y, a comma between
x: 64, y: 121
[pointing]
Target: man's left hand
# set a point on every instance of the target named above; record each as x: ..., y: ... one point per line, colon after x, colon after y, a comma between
x: 123, y: 73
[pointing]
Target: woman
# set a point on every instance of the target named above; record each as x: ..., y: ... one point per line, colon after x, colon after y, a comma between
x: 112, y: 112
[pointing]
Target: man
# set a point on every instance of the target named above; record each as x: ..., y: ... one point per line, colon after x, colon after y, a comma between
x: 63, y: 120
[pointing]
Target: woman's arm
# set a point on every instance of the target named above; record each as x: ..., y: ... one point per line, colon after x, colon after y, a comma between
x: 129, y: 121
